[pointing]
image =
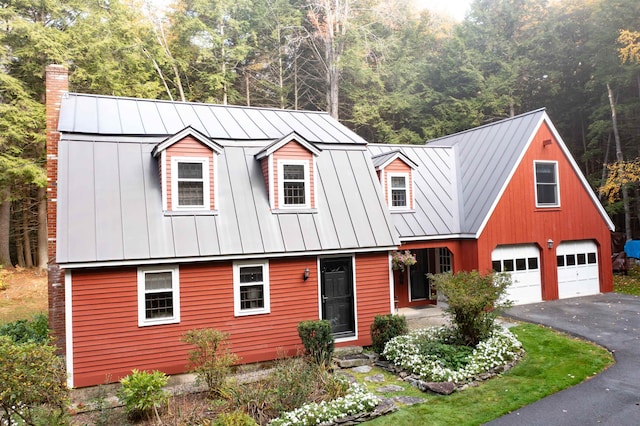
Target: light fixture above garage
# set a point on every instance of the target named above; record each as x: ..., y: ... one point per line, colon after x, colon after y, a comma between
x: 549, y: 243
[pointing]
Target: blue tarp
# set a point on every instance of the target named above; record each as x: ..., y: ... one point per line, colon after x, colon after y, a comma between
x: 632, y: 248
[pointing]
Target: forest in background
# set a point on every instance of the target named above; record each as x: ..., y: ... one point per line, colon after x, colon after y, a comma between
x: 388, y: 71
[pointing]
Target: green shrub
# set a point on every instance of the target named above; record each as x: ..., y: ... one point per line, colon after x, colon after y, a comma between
x: 385, y: 328
x: 450, y: 356
x: 292, y: 383
x: 22, y: 331
x: 211, y: 359
x: 33, y: 387
x: 142, y: 393
x: 474, y: 301
x: 317, y: 340
x: 234, y: 418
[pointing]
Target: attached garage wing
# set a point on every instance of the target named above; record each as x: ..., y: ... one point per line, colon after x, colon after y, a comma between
x: 522, y: 262
x: 578, y: 272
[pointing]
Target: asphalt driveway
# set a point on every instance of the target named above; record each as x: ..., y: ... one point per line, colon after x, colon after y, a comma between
x: 611, y: 398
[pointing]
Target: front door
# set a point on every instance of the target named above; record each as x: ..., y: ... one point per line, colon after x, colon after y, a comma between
x: 337, y: 295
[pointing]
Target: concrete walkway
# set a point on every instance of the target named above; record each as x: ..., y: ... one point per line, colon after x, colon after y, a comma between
x: 423, y: 316
x: 611, y: 398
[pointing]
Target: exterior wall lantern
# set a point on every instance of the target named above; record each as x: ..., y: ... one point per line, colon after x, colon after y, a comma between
x: 305, y: 274
x: 549, y: 243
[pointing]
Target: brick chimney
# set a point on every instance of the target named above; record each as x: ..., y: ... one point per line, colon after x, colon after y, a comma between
x: 57, y: 85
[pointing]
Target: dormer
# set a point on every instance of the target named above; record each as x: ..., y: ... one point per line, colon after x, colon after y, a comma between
x: 395, y: 171
x: 288, y: 166
x: 188, y: 165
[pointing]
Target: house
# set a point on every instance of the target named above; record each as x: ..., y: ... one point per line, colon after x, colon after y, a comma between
x: 175, y: 216
x: 507, y: 196
x: 168, y: 216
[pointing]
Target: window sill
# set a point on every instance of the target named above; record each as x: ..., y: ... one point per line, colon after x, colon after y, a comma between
x: 251, y: 313
x: 294, y: 211
x: 401, y: 211
x: 547, y: 209
x: 164, y: 321
x: 191, y: 213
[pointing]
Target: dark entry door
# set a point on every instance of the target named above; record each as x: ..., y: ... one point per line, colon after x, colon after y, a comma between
x: 337, y: 295
x: 418, y: 276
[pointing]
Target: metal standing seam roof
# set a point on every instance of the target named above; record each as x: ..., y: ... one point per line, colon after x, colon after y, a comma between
x: 109, y: 190
x: 108, y: 115
x: 461, y: 177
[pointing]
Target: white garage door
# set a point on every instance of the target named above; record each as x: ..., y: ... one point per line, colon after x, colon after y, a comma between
x: 577, y: 269
x: 522, y: 262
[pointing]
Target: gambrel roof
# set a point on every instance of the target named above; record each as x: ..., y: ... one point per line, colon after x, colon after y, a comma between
x: 461, y: 177
x: 109, y: 190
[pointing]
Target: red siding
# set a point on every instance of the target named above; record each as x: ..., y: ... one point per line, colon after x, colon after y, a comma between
x: 108, y: 343
x: 517, y: 220
x: 189, y: 147
x: 265, y: 173
x: 292, y: 151
x: 398, y: 166
x: 372, y: 292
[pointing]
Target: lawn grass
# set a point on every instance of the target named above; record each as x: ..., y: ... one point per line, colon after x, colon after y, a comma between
x: 628, y: 284
x: 553, y: 362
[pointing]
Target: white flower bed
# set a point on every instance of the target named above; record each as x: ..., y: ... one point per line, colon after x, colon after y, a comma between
x: 500, y: 348
x: 357, y: 400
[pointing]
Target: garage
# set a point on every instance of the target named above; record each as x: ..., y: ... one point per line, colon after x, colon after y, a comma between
x: 522, y: 262
x: 577, y: 269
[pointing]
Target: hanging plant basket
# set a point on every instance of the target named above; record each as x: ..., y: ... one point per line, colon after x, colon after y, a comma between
x: 401, y: 259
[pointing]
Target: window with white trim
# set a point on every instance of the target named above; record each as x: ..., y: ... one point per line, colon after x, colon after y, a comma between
x: 158, y: 295
x: 444, y: 260
x: 399, y: 191
x: 190, y: 183
x: 293, y: 184
x: 546, y: 178
x: 251, y: 288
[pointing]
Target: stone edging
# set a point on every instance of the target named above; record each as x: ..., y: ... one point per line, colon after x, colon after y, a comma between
x: 447, y: 388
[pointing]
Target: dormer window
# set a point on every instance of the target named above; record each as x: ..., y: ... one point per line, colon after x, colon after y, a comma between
x: 294, y: 183
x: 399, y: 190
x: 288, y: 166
x: 395, y: 171
x: 188, y: 165
x: 190, y: 183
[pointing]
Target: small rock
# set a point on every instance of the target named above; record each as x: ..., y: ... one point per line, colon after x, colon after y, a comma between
x: 361, y: 369
x: 350, y: 377
x: 389, y: 388
x: 443, y: 388
x: 377, y: 378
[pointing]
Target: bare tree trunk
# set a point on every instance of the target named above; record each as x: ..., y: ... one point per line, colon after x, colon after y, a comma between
x: 604, y: 165
x: 331, y: 21
x: 246, y: 83
x: 160, y: 74
x: 26, y: 235
x: 620, y: 159
x: 295, y: 83
x: 5, y: 226
x: 42, y: 228
x: 162, y: 40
